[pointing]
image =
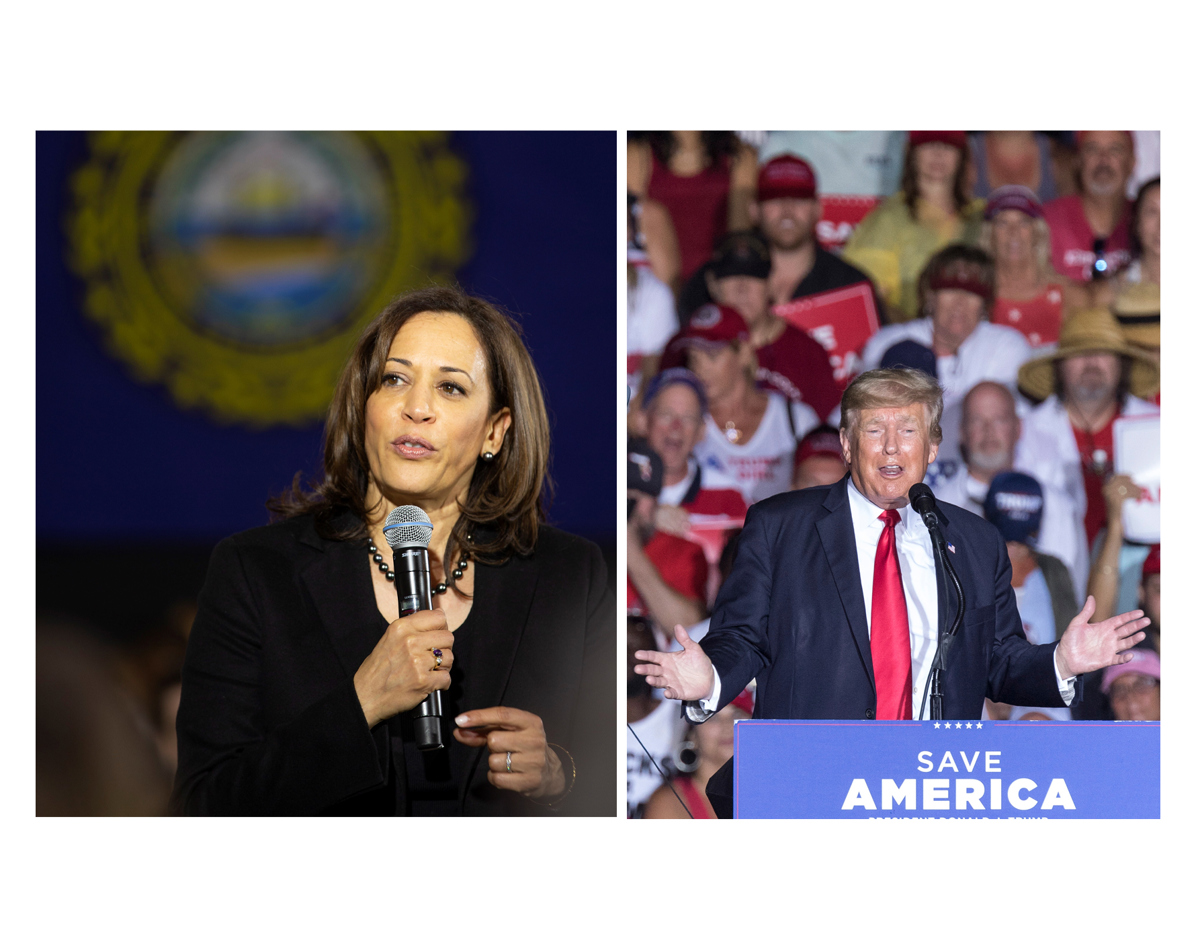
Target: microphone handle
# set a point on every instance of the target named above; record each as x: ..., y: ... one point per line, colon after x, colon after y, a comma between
x: 411, y: 567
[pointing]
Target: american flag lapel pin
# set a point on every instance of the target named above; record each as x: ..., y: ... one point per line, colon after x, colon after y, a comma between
x: 950, y: 546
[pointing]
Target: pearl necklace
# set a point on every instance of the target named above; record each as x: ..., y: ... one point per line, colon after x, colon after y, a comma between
x: 377, y: 558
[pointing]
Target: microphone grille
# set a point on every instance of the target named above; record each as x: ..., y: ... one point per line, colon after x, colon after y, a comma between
x: 408, y: 526
x: 921, y: 497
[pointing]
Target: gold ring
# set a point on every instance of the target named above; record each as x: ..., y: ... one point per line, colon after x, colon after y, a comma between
x: 437, y: 660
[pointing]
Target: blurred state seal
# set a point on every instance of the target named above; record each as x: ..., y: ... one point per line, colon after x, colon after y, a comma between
x: 237, y: 268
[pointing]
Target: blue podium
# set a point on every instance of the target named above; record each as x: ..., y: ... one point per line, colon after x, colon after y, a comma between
x: 848, y: 769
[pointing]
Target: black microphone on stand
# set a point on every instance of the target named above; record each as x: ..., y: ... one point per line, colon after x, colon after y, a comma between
x: 920, y: 496
x: 408, y: 531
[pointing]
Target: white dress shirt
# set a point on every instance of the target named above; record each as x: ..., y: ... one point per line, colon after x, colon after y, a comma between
x: 914, y: 547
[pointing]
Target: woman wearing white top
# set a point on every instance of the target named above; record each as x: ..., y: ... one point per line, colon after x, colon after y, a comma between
x: 957, y: 290
x: 750, y: 435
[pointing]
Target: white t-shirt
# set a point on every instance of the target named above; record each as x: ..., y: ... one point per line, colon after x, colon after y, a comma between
x: 652, y: 320
x: 661, y: 732
x: 990, y: 353
x: 763, y: 466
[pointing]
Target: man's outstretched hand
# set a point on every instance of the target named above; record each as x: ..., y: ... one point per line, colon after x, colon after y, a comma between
x: 684, y: 675
x: 1088, y: 647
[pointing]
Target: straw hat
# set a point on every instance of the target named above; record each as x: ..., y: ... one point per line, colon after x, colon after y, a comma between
x: 1137, y: 314
x: 1092, y: 331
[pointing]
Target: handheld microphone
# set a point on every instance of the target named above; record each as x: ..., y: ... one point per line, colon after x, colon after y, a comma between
x: 408, y: 531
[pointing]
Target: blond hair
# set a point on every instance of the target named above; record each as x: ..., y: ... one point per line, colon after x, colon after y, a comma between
x: 893, y: 388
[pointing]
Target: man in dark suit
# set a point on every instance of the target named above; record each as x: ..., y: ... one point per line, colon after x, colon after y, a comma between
x: 833, y: 602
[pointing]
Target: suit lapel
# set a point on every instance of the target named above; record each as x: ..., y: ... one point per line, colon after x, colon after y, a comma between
x: 837, y: 536
x: 339, y: 584
x: 947, y: 596
x: 503, y: 598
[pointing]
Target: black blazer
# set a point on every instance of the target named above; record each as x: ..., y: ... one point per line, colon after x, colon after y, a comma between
x: 792, y: 614
x: 269, y: 722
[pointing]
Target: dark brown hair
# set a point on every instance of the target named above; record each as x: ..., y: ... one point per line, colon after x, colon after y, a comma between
x: 1136, y: 248
x: 717, y: 145
x: 908, y: 180
x: 508, y: 493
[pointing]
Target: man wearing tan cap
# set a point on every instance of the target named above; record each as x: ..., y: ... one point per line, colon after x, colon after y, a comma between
x: 1094, y: 377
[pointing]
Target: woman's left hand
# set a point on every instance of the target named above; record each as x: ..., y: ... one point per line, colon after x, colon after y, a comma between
x: 518, y: 757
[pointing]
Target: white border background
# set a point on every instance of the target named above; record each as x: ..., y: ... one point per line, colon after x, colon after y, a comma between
x: 526, y: 65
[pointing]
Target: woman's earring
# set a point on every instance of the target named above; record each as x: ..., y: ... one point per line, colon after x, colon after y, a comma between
x: 489, y: 456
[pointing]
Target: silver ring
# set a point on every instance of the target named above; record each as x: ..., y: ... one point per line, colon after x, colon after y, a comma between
x: 508, y: 762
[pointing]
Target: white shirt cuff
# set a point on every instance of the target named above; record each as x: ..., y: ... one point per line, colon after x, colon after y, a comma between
x: 1066, y: 686
x: 700, y: 710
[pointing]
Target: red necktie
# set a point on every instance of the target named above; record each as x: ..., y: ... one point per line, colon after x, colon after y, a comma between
x: 891, y: 653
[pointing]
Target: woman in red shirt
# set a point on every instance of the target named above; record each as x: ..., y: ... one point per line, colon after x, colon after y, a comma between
x: 705, y: 179
x: 1030, y: 296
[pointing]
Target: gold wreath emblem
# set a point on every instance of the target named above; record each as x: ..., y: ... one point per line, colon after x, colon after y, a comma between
x: 186, y: 313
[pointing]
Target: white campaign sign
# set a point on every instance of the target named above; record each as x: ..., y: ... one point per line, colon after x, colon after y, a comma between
x: 1136, y: 454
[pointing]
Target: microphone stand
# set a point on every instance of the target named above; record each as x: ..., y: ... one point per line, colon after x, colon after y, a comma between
x: 933, y: 685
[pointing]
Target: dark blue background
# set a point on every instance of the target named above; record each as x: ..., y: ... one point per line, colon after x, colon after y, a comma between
x: 124, y: 474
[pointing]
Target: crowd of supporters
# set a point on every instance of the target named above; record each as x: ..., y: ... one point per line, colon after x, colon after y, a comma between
x: 767, y: 269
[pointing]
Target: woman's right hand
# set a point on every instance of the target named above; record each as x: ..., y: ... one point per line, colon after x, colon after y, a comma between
x: 402, y: 670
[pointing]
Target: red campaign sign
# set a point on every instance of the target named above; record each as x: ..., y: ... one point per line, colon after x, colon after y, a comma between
x: 840, y: 215
x: 840, y: 320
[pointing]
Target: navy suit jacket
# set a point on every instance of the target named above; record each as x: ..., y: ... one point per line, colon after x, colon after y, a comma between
x: 791, y: 614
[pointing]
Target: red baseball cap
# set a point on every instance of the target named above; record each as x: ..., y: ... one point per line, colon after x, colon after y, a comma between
x: 1012, y: 196
x: 820, y: 441
x: 962, y: 275
x: 787, y: 177
x: 712, y: 325
x: 955, y: 139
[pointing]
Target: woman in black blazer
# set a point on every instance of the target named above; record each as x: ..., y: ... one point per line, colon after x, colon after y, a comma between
x: 300, y: 674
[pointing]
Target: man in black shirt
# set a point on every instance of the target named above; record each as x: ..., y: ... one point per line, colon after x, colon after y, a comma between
x: 787, y: 213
